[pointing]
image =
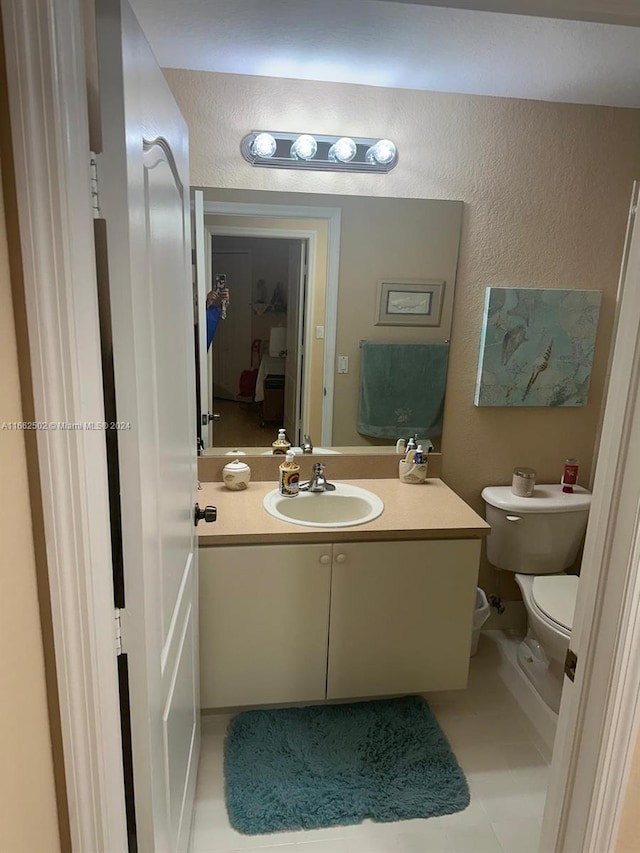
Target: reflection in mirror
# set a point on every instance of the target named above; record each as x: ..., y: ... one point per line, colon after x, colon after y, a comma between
x: 307, y: 276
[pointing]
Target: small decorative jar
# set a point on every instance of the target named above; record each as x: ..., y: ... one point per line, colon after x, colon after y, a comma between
x: 236, y: 475
x: 523, y: 482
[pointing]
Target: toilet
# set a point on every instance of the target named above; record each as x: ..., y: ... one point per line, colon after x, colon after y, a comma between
x: 537, y: 538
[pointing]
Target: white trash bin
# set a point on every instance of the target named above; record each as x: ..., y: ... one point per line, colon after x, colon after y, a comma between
x: 480, y: 616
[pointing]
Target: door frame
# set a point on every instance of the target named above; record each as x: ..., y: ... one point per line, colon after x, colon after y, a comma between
x: 599, y: 716
x: 333, y: 216
x: 48, y: 114
x: 44, y: 46
x: 311, y: 239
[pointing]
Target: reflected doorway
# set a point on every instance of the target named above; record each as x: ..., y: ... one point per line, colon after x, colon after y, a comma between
x: 256, y: 358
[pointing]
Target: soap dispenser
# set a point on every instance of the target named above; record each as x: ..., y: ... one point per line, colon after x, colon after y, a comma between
x: 281, y: 445
x: 289, y: 480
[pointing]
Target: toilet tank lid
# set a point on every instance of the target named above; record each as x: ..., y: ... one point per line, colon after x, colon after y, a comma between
x: 545, y: 498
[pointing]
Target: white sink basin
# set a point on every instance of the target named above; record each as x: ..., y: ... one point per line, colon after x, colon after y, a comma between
x: 346, y: 507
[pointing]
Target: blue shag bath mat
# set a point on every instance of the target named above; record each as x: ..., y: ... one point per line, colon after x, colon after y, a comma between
x: 334, y: 765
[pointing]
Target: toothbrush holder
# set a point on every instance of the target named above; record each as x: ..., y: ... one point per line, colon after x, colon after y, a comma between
x: 412, y: 472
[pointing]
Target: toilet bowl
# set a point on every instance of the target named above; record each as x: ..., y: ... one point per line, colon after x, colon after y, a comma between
x: 536, y: 538
x: 550, y: 602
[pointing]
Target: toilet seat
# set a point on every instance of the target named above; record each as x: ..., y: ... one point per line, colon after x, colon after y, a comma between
x: 555, y: 597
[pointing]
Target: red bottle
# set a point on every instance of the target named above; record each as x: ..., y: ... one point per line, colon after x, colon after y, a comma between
x: 570, y: 475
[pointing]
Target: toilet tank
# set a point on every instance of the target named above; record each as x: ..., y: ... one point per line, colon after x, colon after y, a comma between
x: 539, y: 535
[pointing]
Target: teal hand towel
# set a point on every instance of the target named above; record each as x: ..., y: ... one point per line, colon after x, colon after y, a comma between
x: 402, y: 389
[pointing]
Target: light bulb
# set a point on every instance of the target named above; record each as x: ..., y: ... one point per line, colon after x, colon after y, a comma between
x: 304, y: 148
x: 344, y: 150
x: 264, y: 145
x: 383, y: 152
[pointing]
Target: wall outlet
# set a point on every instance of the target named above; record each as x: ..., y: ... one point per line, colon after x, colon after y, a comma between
x: 343, y: 364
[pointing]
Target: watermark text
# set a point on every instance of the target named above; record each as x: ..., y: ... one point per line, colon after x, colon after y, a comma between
x: 63, y: 426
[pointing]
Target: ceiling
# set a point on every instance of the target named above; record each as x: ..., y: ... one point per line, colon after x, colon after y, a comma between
x: 410, y: 45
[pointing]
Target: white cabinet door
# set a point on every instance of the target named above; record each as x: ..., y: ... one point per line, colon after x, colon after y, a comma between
x: 401, y: 616
x: 264, y: 624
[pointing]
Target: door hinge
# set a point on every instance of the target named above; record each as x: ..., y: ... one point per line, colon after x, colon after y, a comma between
x: 570, y: 663
x: 95, y: 194
x: 117, y: 631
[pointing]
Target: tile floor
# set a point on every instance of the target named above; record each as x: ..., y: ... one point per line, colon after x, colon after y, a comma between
x: 504, y: 759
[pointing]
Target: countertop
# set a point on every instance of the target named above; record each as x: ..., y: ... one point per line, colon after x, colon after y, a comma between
x: 427, y: 511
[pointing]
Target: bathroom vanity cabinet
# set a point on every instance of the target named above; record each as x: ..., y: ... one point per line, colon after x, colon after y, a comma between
x: 306, y: 622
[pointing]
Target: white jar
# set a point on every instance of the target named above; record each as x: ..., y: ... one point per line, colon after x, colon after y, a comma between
x: 236, y: 475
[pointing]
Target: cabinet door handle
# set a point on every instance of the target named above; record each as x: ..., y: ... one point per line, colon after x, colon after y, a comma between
x: 340, y: 558
x: 514, y: 519
x: 325, y: 559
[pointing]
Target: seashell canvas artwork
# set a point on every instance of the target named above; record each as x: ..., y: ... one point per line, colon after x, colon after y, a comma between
x: 537, y: 346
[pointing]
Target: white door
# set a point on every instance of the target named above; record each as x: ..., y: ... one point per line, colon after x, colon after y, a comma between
x: 294, y: 361
x: 144, y: 184
x: 231, y: 345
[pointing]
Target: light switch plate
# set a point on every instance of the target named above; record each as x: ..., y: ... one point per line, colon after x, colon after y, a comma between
x: 319, y: 333
x: 343, y: 364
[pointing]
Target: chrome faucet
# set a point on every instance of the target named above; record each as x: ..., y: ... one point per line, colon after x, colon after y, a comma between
x: 307, y: 446
x: 318, y: 482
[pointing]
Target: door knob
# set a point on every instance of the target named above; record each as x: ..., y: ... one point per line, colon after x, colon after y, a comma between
x: 207, y: 513
x: 325, y: 559
x: 340, y: 558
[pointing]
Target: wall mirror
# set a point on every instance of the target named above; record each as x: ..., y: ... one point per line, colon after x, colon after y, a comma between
x: 305, y: 274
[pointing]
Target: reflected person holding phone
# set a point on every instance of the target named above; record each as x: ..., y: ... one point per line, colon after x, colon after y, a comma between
x: 217, y: 301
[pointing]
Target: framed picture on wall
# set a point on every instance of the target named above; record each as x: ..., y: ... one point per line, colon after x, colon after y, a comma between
x: 409, y: 303
x: 537, y: 346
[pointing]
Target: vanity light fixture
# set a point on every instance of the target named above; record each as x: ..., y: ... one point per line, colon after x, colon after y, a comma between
x: 313, y: 151
x: 383, y: 152
x: 264, y: 145
x: 305, y: 147
x: 343, y: 151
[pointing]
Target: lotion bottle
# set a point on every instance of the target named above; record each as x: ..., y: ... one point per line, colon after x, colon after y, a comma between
x: 289, y: 480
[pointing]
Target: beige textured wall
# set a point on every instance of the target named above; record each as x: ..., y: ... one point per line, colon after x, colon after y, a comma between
x: 28, y: 811
x: 546, y: 188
